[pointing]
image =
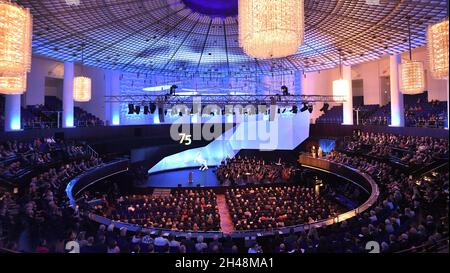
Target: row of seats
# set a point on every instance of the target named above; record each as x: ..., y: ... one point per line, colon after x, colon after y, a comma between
x: 46, y: 116
x: 417, y: 114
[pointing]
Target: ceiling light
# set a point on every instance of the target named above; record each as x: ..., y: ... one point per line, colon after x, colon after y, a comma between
x: 15, y: 47
x: 437, y: 44
x: 271, y: 29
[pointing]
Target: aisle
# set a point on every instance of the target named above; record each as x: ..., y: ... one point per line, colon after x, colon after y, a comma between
x: 226, y: 224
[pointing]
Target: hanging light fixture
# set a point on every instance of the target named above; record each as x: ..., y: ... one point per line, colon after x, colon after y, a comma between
x: 13, y: 84
x: 81, y: 84
x: 340, y: 87
x: 437, y: 44
x: 412, y: 76
x: 15, y: 47
x: 271, y: 29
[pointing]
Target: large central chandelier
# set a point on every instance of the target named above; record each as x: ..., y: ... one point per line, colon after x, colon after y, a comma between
x: 13, y: 84
x: 15, y: 47
x: 271, y: 28
x: 412, y: 75
x: 437, y: 44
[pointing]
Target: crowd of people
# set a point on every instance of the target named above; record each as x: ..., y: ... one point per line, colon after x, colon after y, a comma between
x: 40, y: 211
x: 410, y: 211
x: 243, y: 170
x: 268, y: 208
x: 410, y: 150
x: 17, y: 158
x: 193, y: 210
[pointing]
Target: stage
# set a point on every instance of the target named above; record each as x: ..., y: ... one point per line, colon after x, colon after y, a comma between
x: 174, y: 178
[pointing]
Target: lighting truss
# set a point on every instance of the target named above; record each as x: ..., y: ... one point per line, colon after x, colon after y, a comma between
x: 225, y: 99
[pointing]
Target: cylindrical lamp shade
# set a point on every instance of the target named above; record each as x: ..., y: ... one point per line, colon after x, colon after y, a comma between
x: 15, y: 39
x: 81, y: 89
x: 412, y: 77
x: 13, y: 85
x: 437, y: 44
x: 271, y: 29
x: 341, y: 88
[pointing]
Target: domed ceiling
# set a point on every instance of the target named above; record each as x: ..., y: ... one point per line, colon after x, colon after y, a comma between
x: 185, y: 37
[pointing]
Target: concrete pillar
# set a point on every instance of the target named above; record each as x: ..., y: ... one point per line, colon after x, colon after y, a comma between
x: 397, y: 108
x: 112, y: 88
x: 348, y: 104
x: 298, y: 83
x: 12, y: 113
x: 68, y: 112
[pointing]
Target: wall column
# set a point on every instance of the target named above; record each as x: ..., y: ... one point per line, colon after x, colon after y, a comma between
x: 298, y: 83
x: 112, y: 88
x: 397, y: 109
x: 12, y: 113
x: 348, y: 104
x: 68, y: 111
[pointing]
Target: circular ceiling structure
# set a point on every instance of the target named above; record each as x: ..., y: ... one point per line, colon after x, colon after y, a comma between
x: 186, y: 37
x: 213, y: 8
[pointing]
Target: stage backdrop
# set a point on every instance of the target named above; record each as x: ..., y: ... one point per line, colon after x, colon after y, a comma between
x: 284, y: 132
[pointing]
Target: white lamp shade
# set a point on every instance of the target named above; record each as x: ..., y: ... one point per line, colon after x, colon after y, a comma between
x: 81, y: 89
x: 341, y: 88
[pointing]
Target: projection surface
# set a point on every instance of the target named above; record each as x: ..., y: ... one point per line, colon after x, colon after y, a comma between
x: 285, y: 132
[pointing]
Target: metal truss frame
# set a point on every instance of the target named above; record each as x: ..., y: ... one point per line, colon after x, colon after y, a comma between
x: 224, y: 99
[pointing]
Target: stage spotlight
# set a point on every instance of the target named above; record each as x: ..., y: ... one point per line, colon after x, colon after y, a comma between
x: 172, y: 89
x: 294, y: 109
x: 285, y: 90
x: 304, y: 108
x: 137, y: 109
x: 152, y: 108
x: 310, y: 108
x: 325, y: 107
x: 146, y: 110
x: 130, y: 109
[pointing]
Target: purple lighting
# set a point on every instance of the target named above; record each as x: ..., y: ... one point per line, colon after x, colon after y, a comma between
x: 214, y: 8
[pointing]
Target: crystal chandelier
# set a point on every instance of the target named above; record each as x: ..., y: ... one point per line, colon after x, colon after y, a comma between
x: 82, y: 85
x: 340, y: 87
x: 15, y: 47
x: 437, y: 43
x: 81, y: 89
x: 271, y: 29
x: 13, y: 85
x: 412, y: 75
x: 412, y: 78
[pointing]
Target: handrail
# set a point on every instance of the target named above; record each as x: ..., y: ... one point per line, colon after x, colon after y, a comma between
x: 91, y: 152
x: 314, y: 162
x: 425, y: 245
x: 84, y: 180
